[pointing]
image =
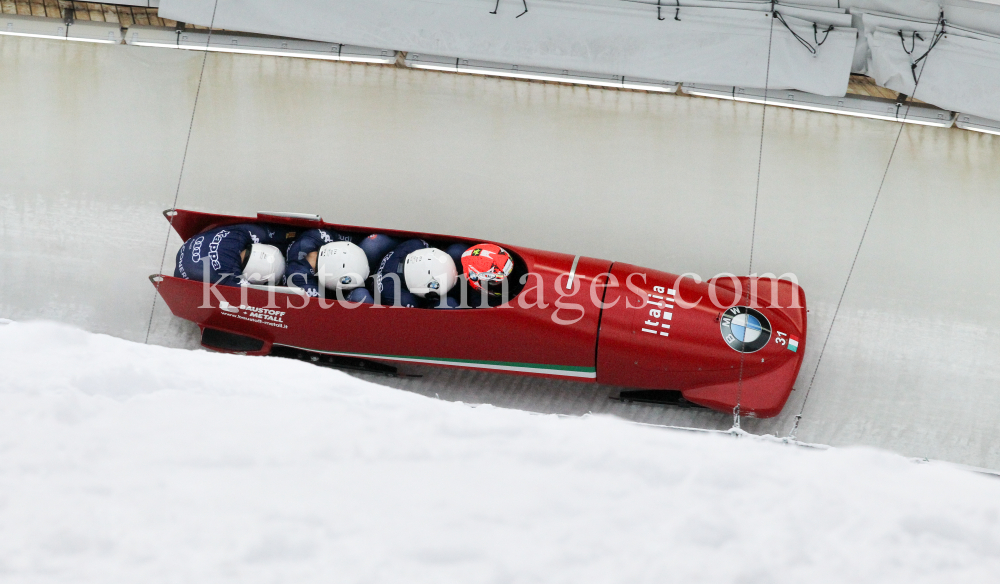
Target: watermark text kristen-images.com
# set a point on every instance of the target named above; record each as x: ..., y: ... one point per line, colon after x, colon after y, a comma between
x: 687, y: 291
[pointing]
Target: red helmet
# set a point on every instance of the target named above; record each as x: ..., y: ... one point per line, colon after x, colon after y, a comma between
x: 486, y: 263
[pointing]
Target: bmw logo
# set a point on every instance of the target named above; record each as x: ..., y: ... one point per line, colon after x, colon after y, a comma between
x: 745, y: 329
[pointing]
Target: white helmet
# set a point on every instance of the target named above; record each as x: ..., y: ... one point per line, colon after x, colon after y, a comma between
x: 342, y: 265
x: 265, y: 265
x: 429, y: 271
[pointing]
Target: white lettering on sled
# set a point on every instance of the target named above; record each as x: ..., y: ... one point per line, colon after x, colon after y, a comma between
x: 266, y: 316
x: 662, y: 298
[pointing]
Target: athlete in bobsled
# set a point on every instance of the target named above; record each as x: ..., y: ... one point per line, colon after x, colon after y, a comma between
x: 486, y: 267
x: 234, y: 255
x: 323, y: 259
x: 414, y: 275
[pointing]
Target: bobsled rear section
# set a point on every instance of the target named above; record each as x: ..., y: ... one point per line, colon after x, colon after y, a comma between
x: 720, y: 343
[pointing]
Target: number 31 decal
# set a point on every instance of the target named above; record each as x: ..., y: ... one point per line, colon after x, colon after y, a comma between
x: 780, y: 339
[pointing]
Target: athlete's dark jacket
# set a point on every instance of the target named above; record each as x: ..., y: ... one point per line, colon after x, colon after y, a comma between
x: 392, y: 264
x: 219, y: 249
x: 298, y: 272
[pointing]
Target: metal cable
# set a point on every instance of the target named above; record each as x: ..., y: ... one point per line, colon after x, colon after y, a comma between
x: 180, y: 176
x: 826, y: 35
x: 913, y: 41
x: 871, y: 213
x: 753, y: 230
x: 801, y: 40
x: 525, y: 2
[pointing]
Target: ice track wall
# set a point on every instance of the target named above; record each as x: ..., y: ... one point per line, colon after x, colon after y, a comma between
x: 93, y: 138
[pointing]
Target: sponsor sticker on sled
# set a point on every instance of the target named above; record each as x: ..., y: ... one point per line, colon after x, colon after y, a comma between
x: 793, y: 344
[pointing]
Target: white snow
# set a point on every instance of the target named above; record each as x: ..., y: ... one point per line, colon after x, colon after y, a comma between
x: 127, y: 463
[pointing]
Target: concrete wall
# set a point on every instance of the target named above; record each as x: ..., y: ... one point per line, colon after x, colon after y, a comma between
x: 95, y: 135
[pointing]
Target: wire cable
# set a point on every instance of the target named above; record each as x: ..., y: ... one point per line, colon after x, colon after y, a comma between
x: 826, y: 35
x: 871, y: 213
x: 798, y: 37
x: 756, y: 200
x: 180, y: 176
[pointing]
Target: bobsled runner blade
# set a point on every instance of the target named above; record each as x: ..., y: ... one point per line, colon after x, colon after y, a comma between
x: 663, y: 397
x: 336, y: 361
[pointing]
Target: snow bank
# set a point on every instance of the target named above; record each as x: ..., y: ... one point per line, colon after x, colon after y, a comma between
x: 121, y: 462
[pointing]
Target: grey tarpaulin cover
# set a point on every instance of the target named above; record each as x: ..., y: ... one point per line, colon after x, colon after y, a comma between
x: 718, y: 42
x: 917, y: 9
x: 713, y: 42
x: 961, y: 73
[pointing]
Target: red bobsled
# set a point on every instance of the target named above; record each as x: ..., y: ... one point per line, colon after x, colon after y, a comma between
x: 719, y: 343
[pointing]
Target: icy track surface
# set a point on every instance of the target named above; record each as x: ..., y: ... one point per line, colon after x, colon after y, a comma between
x: 121, y: 462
